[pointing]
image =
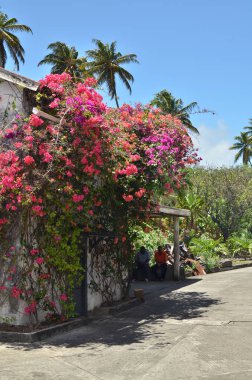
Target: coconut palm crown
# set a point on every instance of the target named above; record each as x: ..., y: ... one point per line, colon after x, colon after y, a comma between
x: 64, y: 58
x: 105, y: 63
x: 249, y: 128
x: 175, y: 107
x: 244, y: 146
x: 9, y: 42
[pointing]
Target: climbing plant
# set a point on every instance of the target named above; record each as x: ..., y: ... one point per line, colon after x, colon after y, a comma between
x: 93, y: 169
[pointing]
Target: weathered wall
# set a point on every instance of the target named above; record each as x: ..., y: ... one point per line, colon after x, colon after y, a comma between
x: 11, y: 101
x: 95, y: 298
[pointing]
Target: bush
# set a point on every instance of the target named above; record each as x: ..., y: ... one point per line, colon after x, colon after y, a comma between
x: 208, y: 249
x: 240, y: 245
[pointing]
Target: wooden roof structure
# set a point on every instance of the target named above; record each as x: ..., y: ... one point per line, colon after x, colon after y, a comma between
x: 175, y: 213
x: 18, y: 79
x: 165, y: 211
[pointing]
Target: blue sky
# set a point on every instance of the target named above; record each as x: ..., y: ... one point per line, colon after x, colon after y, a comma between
x: 200, y: 50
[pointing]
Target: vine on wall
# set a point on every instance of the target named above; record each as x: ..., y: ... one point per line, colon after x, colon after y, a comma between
x: 96, y: 169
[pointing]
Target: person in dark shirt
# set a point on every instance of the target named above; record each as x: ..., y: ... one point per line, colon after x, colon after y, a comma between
x: 142, y: 260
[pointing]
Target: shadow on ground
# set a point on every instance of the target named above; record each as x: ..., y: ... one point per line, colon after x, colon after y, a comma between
x: 135, y: 325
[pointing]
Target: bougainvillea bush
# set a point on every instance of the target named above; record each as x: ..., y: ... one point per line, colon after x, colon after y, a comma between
x: 93, y: 169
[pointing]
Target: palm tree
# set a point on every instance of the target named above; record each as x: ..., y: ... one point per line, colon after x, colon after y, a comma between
x: 175, y: 107
x: 65, y: 59
x: 244, y: 147
x: 249, y: 128
x: 106, y: 64
x: 193, y: 202
x: 11, y: 41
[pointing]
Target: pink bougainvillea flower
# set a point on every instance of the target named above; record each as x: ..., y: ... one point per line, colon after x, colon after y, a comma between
x: 3, y: 221
x: 98, y: 203
x: 34, y: 252
x: 116, y: 240
x: 35, y: 121
x: 54, y: 103
x: 127, y: 198
x: 47, y: 157
x: 63, y: 297
x: 15, y: 292
x: 38, y: 210
x: 30, y: 309
x: 124, y: 239
x: 129, y: 170
x: 29, y: 139
x: 28, y: 160
x: 18, y: 145
x: 78, y: 198
x: 140, y: 193
x: 85, y: 190
x: 134, y: 157
x: 90, y: 82
x: 69, y: 174
x: 39, y: 260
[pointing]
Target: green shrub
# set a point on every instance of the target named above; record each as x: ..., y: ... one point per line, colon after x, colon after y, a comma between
x: 240, y: 245
x: 208, y: 249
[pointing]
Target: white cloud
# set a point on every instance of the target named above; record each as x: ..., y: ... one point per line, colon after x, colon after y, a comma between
x: 213, y: 144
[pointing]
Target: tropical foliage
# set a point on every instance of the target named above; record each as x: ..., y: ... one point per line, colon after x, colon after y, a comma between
x: 208, y: 249
x: 220, y: 201
x: 224, y: 200
x: 9, y: 42
x: 240, y: 245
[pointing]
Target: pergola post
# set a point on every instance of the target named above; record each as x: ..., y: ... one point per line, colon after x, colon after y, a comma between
x: 176, y: 249
x: 165, y: 211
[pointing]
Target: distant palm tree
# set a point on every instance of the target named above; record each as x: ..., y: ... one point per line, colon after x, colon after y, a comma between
x: 175, y: 107
x: 106, y: 64
x: 244, y: 147
x: 65, y: 59
x: 10, y: 41
x: 249, y: 128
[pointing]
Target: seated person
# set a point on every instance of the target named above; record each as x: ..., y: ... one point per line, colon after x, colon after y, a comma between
x: 160, y: 267
x: 168, y: 250
x: 142, y: 263
x: 183, y: 251
x: 198, y: 269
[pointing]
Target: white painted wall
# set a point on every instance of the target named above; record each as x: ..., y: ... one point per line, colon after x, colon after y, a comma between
x: 94, y: 298
x: 11, y: 100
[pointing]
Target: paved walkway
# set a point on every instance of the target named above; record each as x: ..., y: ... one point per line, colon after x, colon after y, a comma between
x: 197, y: 329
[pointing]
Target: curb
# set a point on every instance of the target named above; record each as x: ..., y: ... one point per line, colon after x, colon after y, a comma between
x: 239, y: 266
x: 36, y: 336
x: 30, y: 337
x: 218, y: 270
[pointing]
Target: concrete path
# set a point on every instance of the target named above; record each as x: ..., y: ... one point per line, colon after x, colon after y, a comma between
x: 197, y: 329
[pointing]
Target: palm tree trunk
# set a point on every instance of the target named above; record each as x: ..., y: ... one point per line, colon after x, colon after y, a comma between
x: 2, y: 60
x: 116, y: 98
x: 117, y: 104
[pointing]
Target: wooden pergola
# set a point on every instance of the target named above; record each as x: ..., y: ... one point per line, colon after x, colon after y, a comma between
x: 175, y: 213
